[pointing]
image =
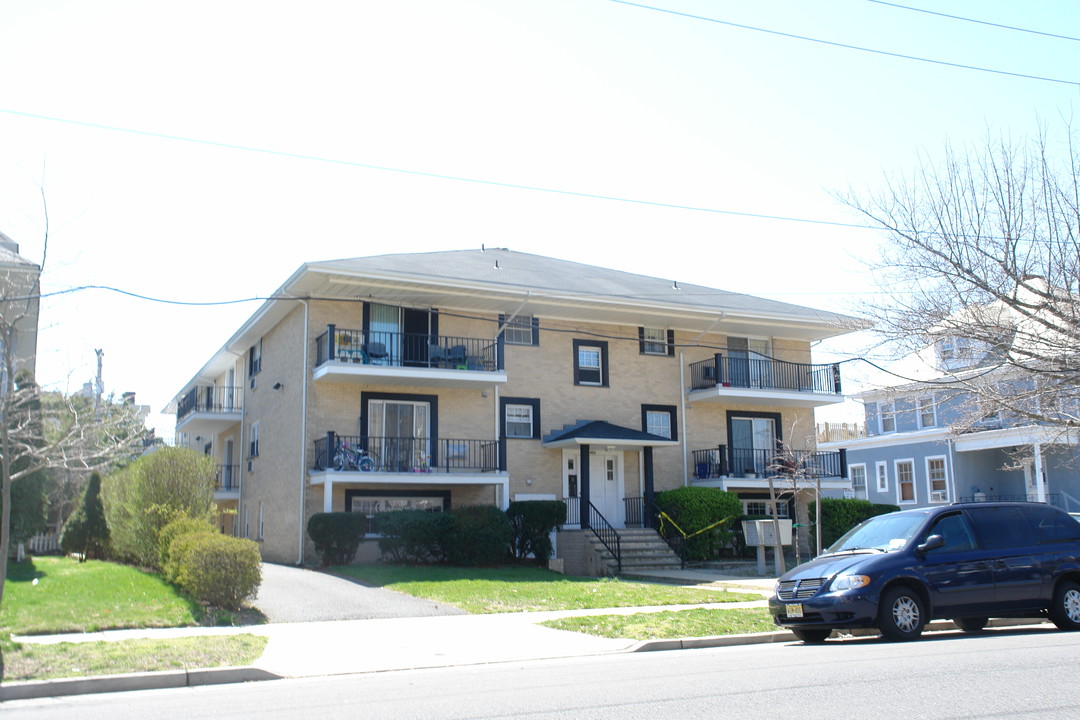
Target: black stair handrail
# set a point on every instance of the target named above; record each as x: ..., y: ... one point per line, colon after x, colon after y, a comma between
x: 605, y: 532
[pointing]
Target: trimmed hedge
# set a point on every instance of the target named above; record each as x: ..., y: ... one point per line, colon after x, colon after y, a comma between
x: 469, y: 535
x: 840, y: 515
x: 696, y: 508
x: 336, y: 535
x: 532, y: 522
x: 415, y: 537
x: 217, y: 569
x: 481, y: 536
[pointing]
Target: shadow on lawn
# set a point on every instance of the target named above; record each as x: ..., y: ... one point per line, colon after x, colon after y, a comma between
x: 25, y: 571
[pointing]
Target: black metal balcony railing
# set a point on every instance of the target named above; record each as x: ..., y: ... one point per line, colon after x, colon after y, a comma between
x: 228, y: 478
x: 405, y: 454
x: 210, y: 399
x: 396, y: 349
x: 764, y: 374
x: 721, y: 461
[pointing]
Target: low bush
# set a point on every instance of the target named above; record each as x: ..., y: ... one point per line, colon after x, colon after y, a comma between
x: 840, y: 515
x: 532, y: 522
x: 217, y: 569
x: 337, y: 536
x: 481, y: 536
x: 416, y: 537
x: 469, y: 535
x: 174, y: 531
x: 695, y: 508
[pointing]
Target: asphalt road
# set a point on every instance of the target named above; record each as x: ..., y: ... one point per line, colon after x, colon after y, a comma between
x: 289, y: 594
x: 1027, y: 673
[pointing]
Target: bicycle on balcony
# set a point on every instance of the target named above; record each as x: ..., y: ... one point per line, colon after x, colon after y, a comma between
x: 348, y: 457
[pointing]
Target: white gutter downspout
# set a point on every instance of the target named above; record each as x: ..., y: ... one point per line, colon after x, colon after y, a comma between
x: 303, y: 435
x: 683, y: 394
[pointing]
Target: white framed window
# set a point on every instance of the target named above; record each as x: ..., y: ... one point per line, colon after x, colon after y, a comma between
x: 905, y: 482
x: 765, y: 507
x: 253, y: 440
x: 857, y: 475
x: 926, y: 411
x: 590, y: 363
x: 519, y: 421
x: 654, y: 341
x: 882, y: 477
x: 937, y: 479
x: 255, y: 359
x: 887, y: 417
x: 522, y: 330
x: 261, y: 518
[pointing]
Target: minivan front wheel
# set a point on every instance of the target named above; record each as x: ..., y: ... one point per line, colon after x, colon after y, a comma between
x: 901, y: 614
x: 812, y: 635
x: 1065, y: 611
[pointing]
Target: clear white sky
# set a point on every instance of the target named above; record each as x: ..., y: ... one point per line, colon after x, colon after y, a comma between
x: 289, y: 109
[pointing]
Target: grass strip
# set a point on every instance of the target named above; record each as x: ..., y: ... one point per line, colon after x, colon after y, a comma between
x: 524, y: 589
x: 670, y: 625
x: 28, y: 661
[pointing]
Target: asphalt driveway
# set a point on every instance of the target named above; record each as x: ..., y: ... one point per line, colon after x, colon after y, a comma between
x: 290, y: 594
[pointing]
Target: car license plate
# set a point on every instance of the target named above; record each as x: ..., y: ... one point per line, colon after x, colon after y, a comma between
x: 793, y: 611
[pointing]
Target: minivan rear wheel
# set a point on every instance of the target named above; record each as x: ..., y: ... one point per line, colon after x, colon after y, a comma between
x: 901, y: 614
x: 971, y: 624
x: 1065, y: 610
x: 812, y: 635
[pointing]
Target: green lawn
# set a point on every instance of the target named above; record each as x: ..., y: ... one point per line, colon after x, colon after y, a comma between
x: 44, y: 662
x: 670, y: 625
x: 50, y: 595
x: 523, y: 589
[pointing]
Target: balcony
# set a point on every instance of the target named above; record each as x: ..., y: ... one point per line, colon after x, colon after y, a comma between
x: 343, y: 355
x: 227, y: 482
x: 418, y: 458
x: 776, y: 382
x: 209, y: 409
x: 745, y: 468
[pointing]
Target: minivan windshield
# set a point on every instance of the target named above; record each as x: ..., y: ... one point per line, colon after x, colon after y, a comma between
x: 884, y: 532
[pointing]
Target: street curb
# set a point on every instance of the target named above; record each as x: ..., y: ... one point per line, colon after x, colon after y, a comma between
x: 787, y: 636
x: 32, y: 689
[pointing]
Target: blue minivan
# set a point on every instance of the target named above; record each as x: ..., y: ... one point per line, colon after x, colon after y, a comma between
x: 966, y: 562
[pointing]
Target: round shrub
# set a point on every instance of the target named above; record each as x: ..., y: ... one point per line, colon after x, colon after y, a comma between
x: 336, y: 536
x: 217, y: 569
x: 172, y: 532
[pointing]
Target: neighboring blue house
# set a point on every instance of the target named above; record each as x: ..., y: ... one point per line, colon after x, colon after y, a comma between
x: 922, y: 449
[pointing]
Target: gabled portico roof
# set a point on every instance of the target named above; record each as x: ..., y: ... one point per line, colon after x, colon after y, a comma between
x: 600, y: 432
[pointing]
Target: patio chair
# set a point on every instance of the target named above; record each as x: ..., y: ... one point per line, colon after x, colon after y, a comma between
x: 376, y: 351
x: 437, y: 356
x: 458, y: 357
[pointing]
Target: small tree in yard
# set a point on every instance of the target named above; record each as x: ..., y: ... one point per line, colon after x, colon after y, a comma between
x: 86, y: 531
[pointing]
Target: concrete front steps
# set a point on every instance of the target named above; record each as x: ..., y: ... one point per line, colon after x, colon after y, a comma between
x: 582, y: 553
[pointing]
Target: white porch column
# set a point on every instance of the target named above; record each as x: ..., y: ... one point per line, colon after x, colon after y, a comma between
x: 328, y: 495
x: 1040, y: 481
x: 504, y: 494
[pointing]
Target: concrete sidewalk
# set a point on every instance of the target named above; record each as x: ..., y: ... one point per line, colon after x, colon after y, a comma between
x: 306, y: 649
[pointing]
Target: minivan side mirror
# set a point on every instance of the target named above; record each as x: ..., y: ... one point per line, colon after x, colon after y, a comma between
x: 931, y: 543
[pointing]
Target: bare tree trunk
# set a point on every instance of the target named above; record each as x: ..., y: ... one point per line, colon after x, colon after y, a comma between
x: 778, y: 547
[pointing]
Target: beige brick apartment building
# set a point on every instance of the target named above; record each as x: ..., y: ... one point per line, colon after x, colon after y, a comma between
x: 443, y: 379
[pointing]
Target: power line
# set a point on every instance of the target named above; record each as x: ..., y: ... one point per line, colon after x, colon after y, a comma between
x: 422, y: 173
x: 847, y: 46
x: 973, y: 20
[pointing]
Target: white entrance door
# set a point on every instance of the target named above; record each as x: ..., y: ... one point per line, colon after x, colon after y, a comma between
x: 606, y: 486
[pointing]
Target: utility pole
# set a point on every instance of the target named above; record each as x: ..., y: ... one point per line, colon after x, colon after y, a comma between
x: 99, y: 385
